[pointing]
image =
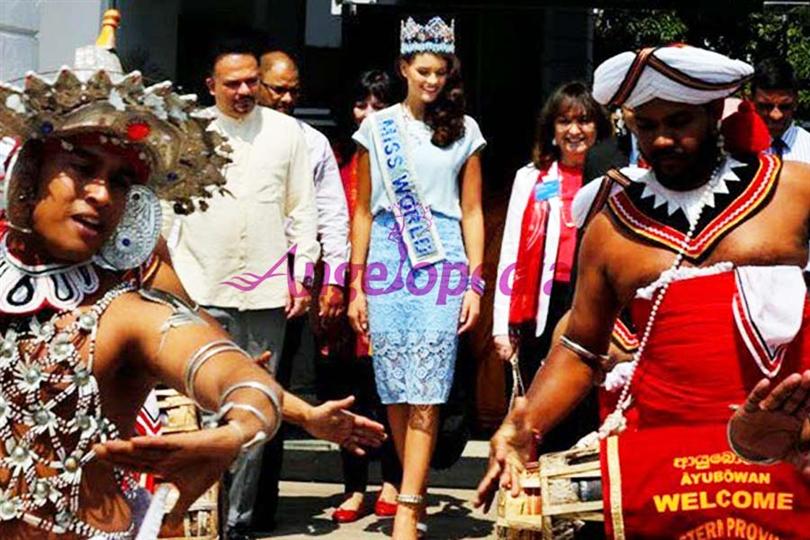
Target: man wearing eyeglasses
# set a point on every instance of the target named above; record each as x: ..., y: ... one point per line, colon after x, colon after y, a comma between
x: 269, y: 207
x: 776, y: 96
x: 279, y: 89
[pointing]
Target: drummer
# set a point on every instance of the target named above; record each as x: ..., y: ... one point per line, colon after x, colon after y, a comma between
x: 682, y: 245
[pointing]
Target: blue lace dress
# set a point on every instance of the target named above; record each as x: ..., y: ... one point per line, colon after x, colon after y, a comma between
x: 413, y: 315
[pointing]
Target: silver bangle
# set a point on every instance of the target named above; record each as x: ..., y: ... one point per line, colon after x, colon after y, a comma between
x: 271, y: 394
x: 596, y: 362
x: 255, y: 385
x: 269, y: 430
x: 252, y: 410
x: 260, y: 437
x: 266, y: 430
x: 200, y: 357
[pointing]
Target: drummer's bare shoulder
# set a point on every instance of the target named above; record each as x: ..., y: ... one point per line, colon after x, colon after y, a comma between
x: 625, y: 262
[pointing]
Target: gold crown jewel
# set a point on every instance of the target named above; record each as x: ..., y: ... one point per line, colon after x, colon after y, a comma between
x: 434, y: 37
x: 184, y: 158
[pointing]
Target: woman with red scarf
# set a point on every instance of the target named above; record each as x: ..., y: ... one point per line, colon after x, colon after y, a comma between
x: 540, y: 236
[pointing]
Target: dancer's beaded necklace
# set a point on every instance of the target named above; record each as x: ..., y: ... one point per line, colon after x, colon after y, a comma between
x: 616, y: 421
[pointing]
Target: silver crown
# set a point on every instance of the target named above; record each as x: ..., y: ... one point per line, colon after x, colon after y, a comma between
x: 434, y: 37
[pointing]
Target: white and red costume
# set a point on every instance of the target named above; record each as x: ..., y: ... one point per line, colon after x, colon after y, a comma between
x: 718, y: 331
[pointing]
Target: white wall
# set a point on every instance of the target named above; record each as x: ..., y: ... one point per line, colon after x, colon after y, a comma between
x: 19, y: 25
x: 65, y: 25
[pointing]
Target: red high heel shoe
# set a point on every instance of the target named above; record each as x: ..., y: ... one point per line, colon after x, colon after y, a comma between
x: 345, y: 515
x: 385, y: 509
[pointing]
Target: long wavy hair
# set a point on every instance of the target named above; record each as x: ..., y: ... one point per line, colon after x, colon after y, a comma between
x: 570, y: 94
x: 446, y: 114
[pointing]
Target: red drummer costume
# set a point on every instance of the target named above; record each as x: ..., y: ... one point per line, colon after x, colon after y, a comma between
x: 710, y: 332
x: 709, y: 327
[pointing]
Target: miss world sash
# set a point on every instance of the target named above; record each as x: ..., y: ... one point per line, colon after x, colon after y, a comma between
x: 415, y: 222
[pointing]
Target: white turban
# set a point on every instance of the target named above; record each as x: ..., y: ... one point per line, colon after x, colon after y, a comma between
x: 678, y: 73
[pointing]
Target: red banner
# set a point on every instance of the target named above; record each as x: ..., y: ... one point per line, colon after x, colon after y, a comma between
x: 685, y: 483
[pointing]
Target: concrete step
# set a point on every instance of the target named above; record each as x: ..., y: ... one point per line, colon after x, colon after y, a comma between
x: 319, y: 461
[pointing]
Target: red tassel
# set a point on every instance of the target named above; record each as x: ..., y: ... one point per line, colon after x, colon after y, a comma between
x: 745, y: 132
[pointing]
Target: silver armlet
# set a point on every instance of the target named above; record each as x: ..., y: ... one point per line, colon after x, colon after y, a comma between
x: 271, y: 395
x: 597, y: 362
x: 263, y: 435
x: 200, y: 357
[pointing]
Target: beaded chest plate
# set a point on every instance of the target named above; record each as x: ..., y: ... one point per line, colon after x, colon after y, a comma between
x: 50, y: 418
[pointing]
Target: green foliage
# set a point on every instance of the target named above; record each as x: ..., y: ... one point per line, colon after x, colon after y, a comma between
x: 618, y: 30
x: 747, y: 31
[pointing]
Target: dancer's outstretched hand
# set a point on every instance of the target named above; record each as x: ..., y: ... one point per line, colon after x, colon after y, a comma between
x: 512, y: 446
x: 770, y: 424
x: 191, y: 461
x: 332, y: 421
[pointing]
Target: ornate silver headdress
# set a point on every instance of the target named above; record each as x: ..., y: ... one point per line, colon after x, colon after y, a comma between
x: 434, y: 37
x: 95, y: 96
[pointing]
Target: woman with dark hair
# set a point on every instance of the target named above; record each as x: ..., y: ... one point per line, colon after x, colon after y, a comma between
x: 351, y: 372
x: 540, y: 237
x: 417, y: 248
x: 373, y: 92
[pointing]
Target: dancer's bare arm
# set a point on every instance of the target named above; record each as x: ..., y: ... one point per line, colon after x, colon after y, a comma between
x: 152, y: 347
x: 564, y: 378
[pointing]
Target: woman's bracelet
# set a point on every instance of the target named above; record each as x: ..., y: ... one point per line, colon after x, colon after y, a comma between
x: 476, y: 284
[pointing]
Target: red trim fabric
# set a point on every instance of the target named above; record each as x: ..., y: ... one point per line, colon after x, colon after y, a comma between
x: 529, y: 265
x: 744, y: 206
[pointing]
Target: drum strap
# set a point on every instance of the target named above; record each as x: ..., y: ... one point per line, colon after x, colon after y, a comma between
x: 518, y: 390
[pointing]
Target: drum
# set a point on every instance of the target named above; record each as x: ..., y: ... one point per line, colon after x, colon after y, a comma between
x: 178, y: 415
x: 561, y: 492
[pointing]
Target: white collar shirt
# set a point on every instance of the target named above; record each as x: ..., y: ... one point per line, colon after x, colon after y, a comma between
x: 797, y: 144
x: 234, y: 254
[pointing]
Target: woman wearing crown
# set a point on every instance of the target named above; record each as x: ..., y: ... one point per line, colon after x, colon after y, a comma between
x: 417, y: 248
x: 84, y: 336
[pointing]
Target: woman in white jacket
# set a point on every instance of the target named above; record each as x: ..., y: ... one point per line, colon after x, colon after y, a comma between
x: 540, y: 238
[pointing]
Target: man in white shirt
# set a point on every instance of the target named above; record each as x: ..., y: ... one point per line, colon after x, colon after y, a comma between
x: 776, y: 95
x: 279, y: 90
x: 232, y: 258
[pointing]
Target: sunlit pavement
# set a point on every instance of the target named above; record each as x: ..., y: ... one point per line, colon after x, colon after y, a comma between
x: 305, y: 511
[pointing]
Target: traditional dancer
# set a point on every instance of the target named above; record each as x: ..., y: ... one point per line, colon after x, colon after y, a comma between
x: 84, y: 336
x: 706, y: 249
x: 413, y: 224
